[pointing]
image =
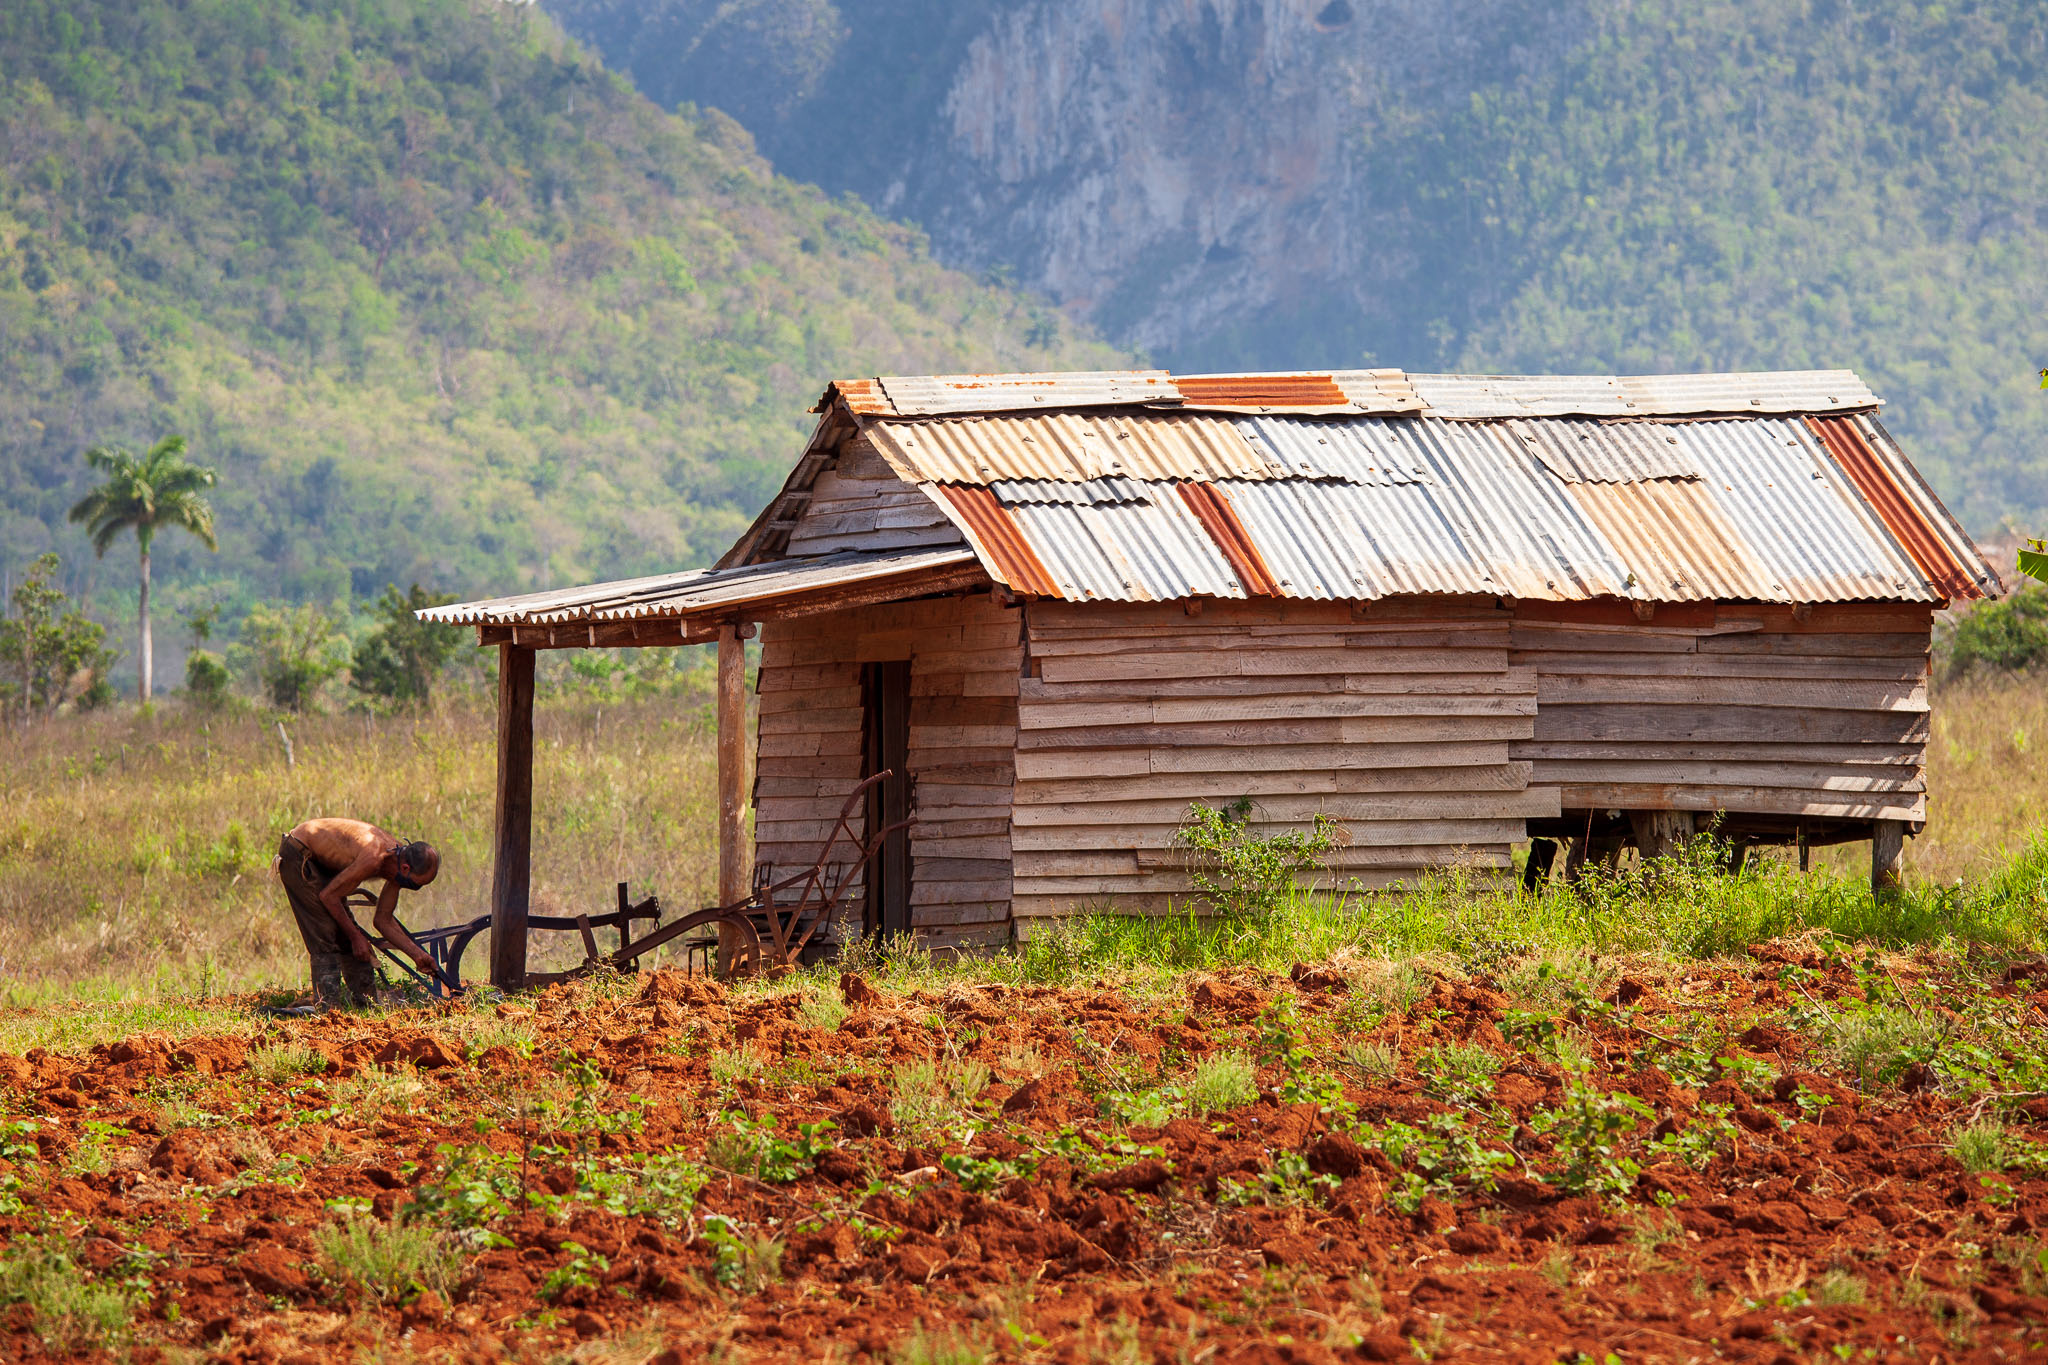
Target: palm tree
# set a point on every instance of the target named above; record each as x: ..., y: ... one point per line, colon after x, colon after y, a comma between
x: 160, y: 490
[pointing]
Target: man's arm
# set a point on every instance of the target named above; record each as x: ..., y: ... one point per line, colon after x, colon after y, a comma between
x: 335, y: 896
x: 387, y: 926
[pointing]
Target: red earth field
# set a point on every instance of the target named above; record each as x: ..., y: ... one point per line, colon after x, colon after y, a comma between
x: 1797, y: 1157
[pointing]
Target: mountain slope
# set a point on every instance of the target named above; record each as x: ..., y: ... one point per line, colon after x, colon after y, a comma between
x: 441, y: 297
x: 1478, y: 184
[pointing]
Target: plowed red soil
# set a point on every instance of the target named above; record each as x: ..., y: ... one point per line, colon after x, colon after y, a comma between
x: 1815, y: 1231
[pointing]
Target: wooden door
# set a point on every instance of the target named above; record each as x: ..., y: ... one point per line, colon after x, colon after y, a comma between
x: 885, y: 695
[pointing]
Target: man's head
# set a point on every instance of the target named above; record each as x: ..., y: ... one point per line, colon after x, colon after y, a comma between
x: 418, y: 864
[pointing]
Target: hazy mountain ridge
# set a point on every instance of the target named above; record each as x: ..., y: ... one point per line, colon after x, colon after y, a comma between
x: 1479, y: 184
x: 441, y: 296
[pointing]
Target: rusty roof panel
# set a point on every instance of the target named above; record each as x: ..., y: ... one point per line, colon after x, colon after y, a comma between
x: 1812, y: 533
x: 1127, y: 552
x: 1356, y: 452
x: 1671, y: 536
x: 863, y: 397
x: 1256, y: 391
x: 1212, y: 508
x: 1072, y: 447
x: 1468, y: 397
x: 943, y: 394
x: 1003, y: 547
x: 1581, y: 451
x: 1949, y: 564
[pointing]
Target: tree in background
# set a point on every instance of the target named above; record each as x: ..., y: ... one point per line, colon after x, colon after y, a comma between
x: 52, y: 651
x: 401, y: 658
x: 295, y: 651
x: 206, y: 674
x: 159, y: 491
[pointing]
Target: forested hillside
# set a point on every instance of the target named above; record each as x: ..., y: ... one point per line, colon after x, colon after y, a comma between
x: 440, y: 296
x: 1525, y: 185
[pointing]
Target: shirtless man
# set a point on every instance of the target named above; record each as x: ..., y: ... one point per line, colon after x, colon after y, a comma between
x: 320, y: 863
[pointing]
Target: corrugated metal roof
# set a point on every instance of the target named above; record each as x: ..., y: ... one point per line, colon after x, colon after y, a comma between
x: 1355, y: 452
x: 1486, y: 510
x: 1013, y: 492
x: 1357, y: 541
x: 699, y: 591
x: 1515, y: 513
x: 1467, y: 397
x: 1071, y: 446
x: 1670, y: 535
x: 1362, y: 392
x: 1579, y: 451
x: 1814, y: 536
x: 1896, y: 492
x: 1125, y: 552
x: 1556, y: 488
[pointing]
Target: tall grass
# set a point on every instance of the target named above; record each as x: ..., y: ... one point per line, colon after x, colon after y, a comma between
x: 135, y: 853
x: 135, y: 849
x: 1685, y: 907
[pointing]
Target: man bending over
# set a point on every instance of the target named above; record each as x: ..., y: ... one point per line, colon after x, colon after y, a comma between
x: 320, y: 863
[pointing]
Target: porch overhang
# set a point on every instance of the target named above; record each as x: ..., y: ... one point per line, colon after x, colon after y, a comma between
x: 688, y: 608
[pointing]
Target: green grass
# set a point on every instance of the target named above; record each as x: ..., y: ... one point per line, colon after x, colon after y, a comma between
x: 1226, y: 1080
x: 388, y: 1262
x: 72, y: 1310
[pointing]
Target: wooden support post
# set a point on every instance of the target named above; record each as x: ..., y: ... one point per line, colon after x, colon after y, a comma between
x: 1536, y: 872
x: 1660, y: 832
x: 1887, y: 856
x: 735, y: 849
x: 512, y: 860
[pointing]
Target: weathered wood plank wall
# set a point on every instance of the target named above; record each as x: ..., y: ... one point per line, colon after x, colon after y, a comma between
x: 858, y: 504
x: 1729, y: 707
x: 965, y: 656
x: 1397, y: 721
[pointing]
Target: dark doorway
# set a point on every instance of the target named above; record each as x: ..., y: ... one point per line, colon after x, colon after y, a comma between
x: 885, y: 698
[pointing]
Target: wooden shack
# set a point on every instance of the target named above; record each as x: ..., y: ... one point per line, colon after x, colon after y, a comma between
x: 1454, y: 613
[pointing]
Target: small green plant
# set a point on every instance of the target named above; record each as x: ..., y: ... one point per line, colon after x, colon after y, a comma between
x: 738, y: 1260
x: 944, y: 1346
x: 753, y: 1147
x: 1374, y: 1061
x: 366, y: 1095
x: 388, y: 1262
x: 1706, y: 1135
x: 981, y: 1175
x: 94, y: 1153
x: 1980, y: 1147
x: 71, y: 1310
x: 1839, y: 1289
x: 1459, y: 1072
x: 731, y: 1065
x: 1287, y: 1181
x: 1441, y: 1158
x: 924, y: 1094
x: 1244, y: 874
x: 821, y: 1009
x: 1590, y: 1129
x: 1876, y: 1045
x: 1222, y: 1081
x: 580, y: 1271
x: 283, y: 1062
